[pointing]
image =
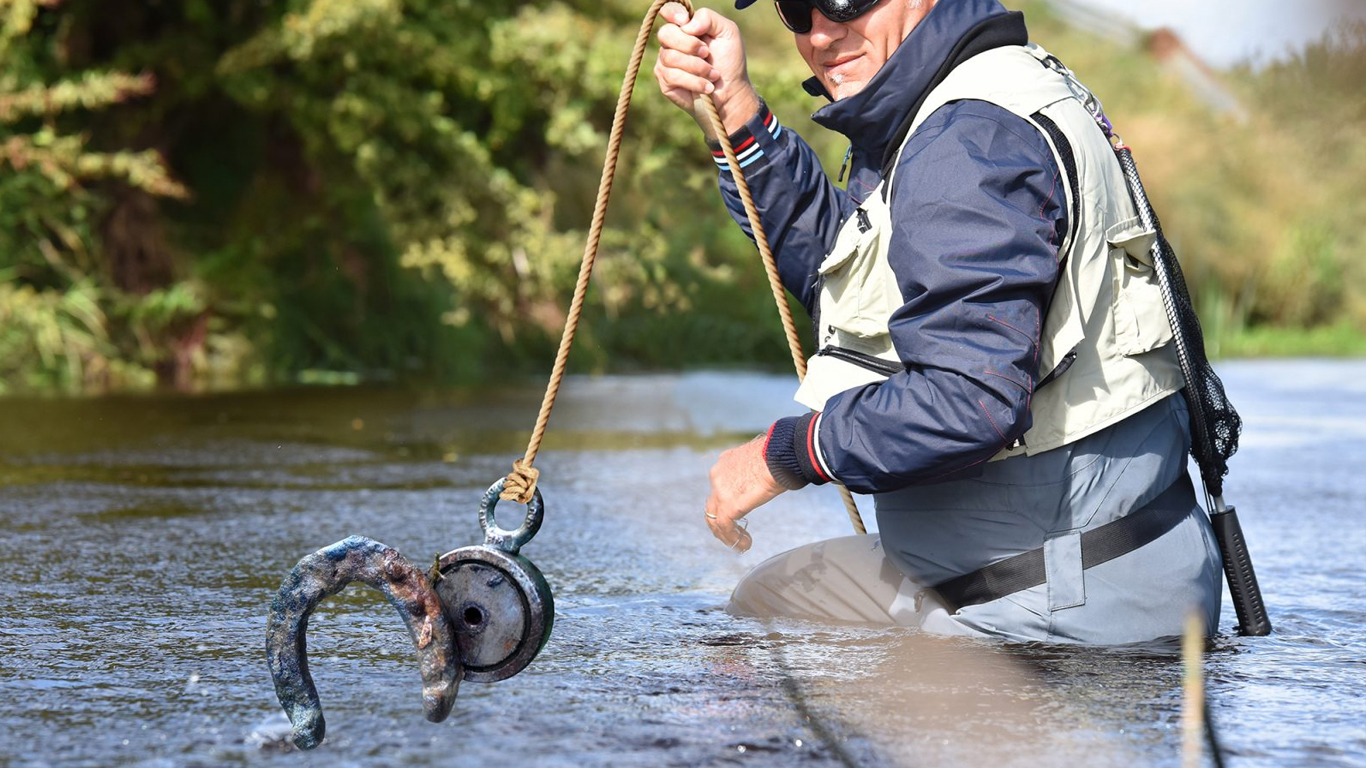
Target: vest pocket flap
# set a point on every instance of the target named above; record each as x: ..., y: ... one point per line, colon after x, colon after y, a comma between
x: 1140, y: 318
x: 1135, y: 239
x: 849, y: 243
x: 839, y: 257
x: 858, y: 289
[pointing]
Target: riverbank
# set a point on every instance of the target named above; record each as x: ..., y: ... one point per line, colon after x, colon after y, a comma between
x: 1341, y: 340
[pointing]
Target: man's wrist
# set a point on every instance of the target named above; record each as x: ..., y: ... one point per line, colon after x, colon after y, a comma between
x: 791, y: 452
x: 745, y: 141
x: 734, y: 111
x: 738, y: 108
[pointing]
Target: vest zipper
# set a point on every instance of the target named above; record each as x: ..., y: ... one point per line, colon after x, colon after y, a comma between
x: 869, y: 362
x: 1059, y: 369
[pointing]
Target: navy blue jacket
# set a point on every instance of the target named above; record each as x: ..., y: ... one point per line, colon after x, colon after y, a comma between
x: 978, y: 214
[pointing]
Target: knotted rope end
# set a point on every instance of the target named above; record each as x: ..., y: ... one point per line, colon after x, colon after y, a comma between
x: 520, y: 485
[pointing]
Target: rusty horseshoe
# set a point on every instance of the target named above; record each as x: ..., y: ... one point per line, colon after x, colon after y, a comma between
x: 328, y: 571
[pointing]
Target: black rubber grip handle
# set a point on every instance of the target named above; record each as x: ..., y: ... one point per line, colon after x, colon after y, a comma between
x: 1242, y: 580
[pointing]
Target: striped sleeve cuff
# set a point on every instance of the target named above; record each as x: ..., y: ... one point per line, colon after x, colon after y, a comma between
x: 791, y: 452
x: 746, y: 141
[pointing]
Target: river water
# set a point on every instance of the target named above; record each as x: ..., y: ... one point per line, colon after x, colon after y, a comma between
x: 143, y: 538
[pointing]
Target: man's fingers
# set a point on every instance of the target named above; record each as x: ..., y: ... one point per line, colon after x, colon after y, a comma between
x: 707, y: 23
x: 743, y: 541
x: 682, y: 66
x: 690, y: 64
x: 716, y: 530
x: 704, y: 23
x: 730, y: 534
x: 674, y: 13
x: 725, y: 528
x: 713, y: 519
x: 671, y: 37
x: 672, y: 78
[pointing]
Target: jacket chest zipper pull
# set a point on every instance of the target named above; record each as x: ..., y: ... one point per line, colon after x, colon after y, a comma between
x: 864, y: 223
x: 845, y: 166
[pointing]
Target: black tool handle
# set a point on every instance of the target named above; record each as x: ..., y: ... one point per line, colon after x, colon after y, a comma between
x: 1242, y: 580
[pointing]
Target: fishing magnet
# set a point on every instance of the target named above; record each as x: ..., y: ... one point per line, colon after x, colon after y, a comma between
x: 499, y: 604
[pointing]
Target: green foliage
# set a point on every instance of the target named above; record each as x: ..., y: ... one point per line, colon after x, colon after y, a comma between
x: 226, y: 191
x: 479, y: 131
x: 56, y: 329
x: 50, y: 338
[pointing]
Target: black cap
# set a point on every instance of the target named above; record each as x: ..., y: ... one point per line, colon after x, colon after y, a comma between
x: 743, y: 4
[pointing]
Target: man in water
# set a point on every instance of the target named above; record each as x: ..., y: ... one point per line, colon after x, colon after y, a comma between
x: 993, y: 357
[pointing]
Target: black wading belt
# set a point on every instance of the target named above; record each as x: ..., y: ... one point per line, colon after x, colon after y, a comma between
x: 1099, y: 545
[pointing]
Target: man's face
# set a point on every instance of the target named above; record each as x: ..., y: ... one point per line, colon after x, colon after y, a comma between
x: 844, y: 57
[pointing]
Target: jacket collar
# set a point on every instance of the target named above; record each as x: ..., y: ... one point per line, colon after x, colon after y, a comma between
x: 872, y: 118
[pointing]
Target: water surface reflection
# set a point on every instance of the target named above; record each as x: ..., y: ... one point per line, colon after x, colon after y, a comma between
x: 143, y: 538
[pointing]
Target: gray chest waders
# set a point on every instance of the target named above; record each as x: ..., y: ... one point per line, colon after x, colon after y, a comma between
x: 1215, y: 424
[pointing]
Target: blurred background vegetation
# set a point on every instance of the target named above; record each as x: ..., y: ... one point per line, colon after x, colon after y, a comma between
x: 221, y: 193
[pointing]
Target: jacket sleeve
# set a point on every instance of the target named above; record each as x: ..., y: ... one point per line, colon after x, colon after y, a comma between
x: 799, y: 207
x: 979, y: 210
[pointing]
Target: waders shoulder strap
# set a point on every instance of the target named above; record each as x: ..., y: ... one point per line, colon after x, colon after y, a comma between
x: 1215, y: 424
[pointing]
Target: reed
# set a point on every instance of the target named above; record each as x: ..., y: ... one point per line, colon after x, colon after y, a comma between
x: 1193, y: 693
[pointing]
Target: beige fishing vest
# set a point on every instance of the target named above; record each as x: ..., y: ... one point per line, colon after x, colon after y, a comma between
x: 1105, y: 337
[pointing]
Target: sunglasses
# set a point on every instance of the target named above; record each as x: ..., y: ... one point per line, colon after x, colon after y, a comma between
x: 796, y: 14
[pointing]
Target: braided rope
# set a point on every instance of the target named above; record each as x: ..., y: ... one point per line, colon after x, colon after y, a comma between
x: 521, y: 482
x: 794, y: 344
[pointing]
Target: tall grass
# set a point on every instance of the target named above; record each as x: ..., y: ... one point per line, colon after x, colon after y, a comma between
x: 1265, y: 210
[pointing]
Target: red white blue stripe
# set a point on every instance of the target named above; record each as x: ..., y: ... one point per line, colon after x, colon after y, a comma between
x: 748, y: 150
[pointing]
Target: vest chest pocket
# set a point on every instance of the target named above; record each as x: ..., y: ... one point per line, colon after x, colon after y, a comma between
x: 1140, y: 317
x: 859, y: 291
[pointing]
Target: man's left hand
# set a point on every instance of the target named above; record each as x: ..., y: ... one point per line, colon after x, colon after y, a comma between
x: 740, y: 483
